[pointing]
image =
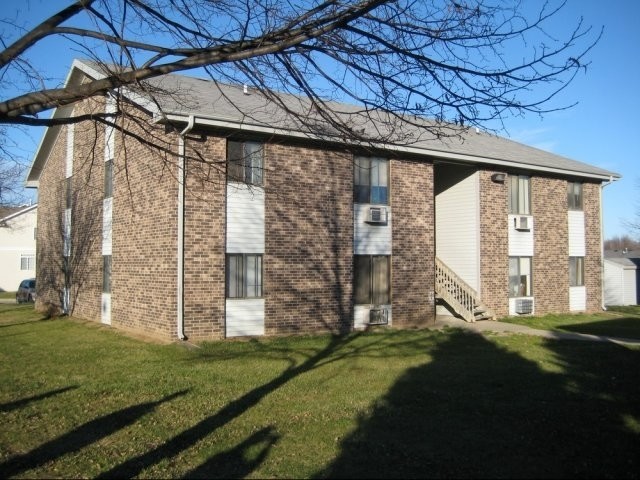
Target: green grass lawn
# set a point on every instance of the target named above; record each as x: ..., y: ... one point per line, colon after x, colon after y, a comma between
x: 619, y: 324
x: 8, y: 295
x: 81, y: 400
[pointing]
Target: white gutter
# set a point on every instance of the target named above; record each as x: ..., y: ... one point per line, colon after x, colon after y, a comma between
x: 181, y: 189
x: 602, y: 185
x: 243, y: 126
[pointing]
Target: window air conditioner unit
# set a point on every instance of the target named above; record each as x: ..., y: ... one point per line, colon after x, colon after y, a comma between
x: 522, y: 223
x: 524, y: 306
x: 377, y: 215
x: 378, y: 316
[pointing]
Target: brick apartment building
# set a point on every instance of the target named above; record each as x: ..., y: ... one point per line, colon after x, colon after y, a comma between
x: 247, y: 225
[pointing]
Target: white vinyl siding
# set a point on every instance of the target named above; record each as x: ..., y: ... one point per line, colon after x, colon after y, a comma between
x: 630, y: 288
x: 245, y: 235
x: 106, y: 309
x: 621, y: 284
x: 520, y: 241
x: 245, y: 219
x: 109, y: 131
x: 245, y: 317
x: 577, y: 245
x: 458, y: 227
x: 69, y: 157
x: 370, y: 239
x: 613, y: 283
x: 107, y: 214
x: 577, y: 299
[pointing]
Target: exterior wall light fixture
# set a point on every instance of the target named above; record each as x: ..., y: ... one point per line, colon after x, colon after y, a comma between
x: 498, y: 177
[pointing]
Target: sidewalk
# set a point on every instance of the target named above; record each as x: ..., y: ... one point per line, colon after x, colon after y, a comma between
x: 490, y: 326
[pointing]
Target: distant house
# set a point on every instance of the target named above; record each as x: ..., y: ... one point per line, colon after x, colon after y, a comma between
x: 17, y: 245
x: 255, y: 225
x: 622, y: 277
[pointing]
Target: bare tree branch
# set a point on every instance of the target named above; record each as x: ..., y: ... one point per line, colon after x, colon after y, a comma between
x: 397, y: 62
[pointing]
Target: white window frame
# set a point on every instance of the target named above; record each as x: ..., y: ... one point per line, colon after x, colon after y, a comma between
x: 576, y: 272
x: 28, y: 261
x: 249, y: 168
x: 373, y: 297
x: 370, y: 173
x: 523, y: 284
x: 575, y: 196
x: 246, y: 283
x: 520, y: 194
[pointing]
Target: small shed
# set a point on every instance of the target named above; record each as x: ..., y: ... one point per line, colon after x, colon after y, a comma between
x: 621, y: 277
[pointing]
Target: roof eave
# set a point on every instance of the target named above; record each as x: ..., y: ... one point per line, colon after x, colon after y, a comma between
x: 18, y: 213
x: 211, y: 121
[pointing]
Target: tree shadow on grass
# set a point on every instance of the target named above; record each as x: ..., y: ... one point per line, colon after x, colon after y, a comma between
x: 480, y: 411
x: 338, y: 348
x: 239, y: 461
x: 9, y: 406
x: 188, y: 438
x: 80, y: 437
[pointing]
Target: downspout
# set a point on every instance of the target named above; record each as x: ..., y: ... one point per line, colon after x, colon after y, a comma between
x: 602, y: 185
x: 181, y: 190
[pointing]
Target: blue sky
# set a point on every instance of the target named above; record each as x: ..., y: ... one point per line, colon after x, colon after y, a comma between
x: 602, y: 130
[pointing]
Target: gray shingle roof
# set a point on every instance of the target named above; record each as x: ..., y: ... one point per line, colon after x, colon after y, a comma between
x: 221, y: 104
x: 225, y: 102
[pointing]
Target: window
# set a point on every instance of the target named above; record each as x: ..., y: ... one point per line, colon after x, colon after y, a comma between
x: 519, y: 195
x: 371, y: 180
x: 371, y: 279
x: 574, y: 195
x: 108, y: 179
x: 27, y: 261
x: 576, y: 271
x: 244, y: 276
x: 245, y: 162
x: 67, y: 233
x: 68, y: 192
x: 519, y: 276
x: 106, y: 274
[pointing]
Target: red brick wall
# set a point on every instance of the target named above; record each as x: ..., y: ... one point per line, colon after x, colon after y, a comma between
x: 84, y: 265
x: 551, y: 245
x: 308, y: 240
x: 204, y: 242
x: 413, y: 260
x: 144, y: 269
x: 494, y: 244
x: 308, y: 260
x: 593, y: 259
x: 49, y: 242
